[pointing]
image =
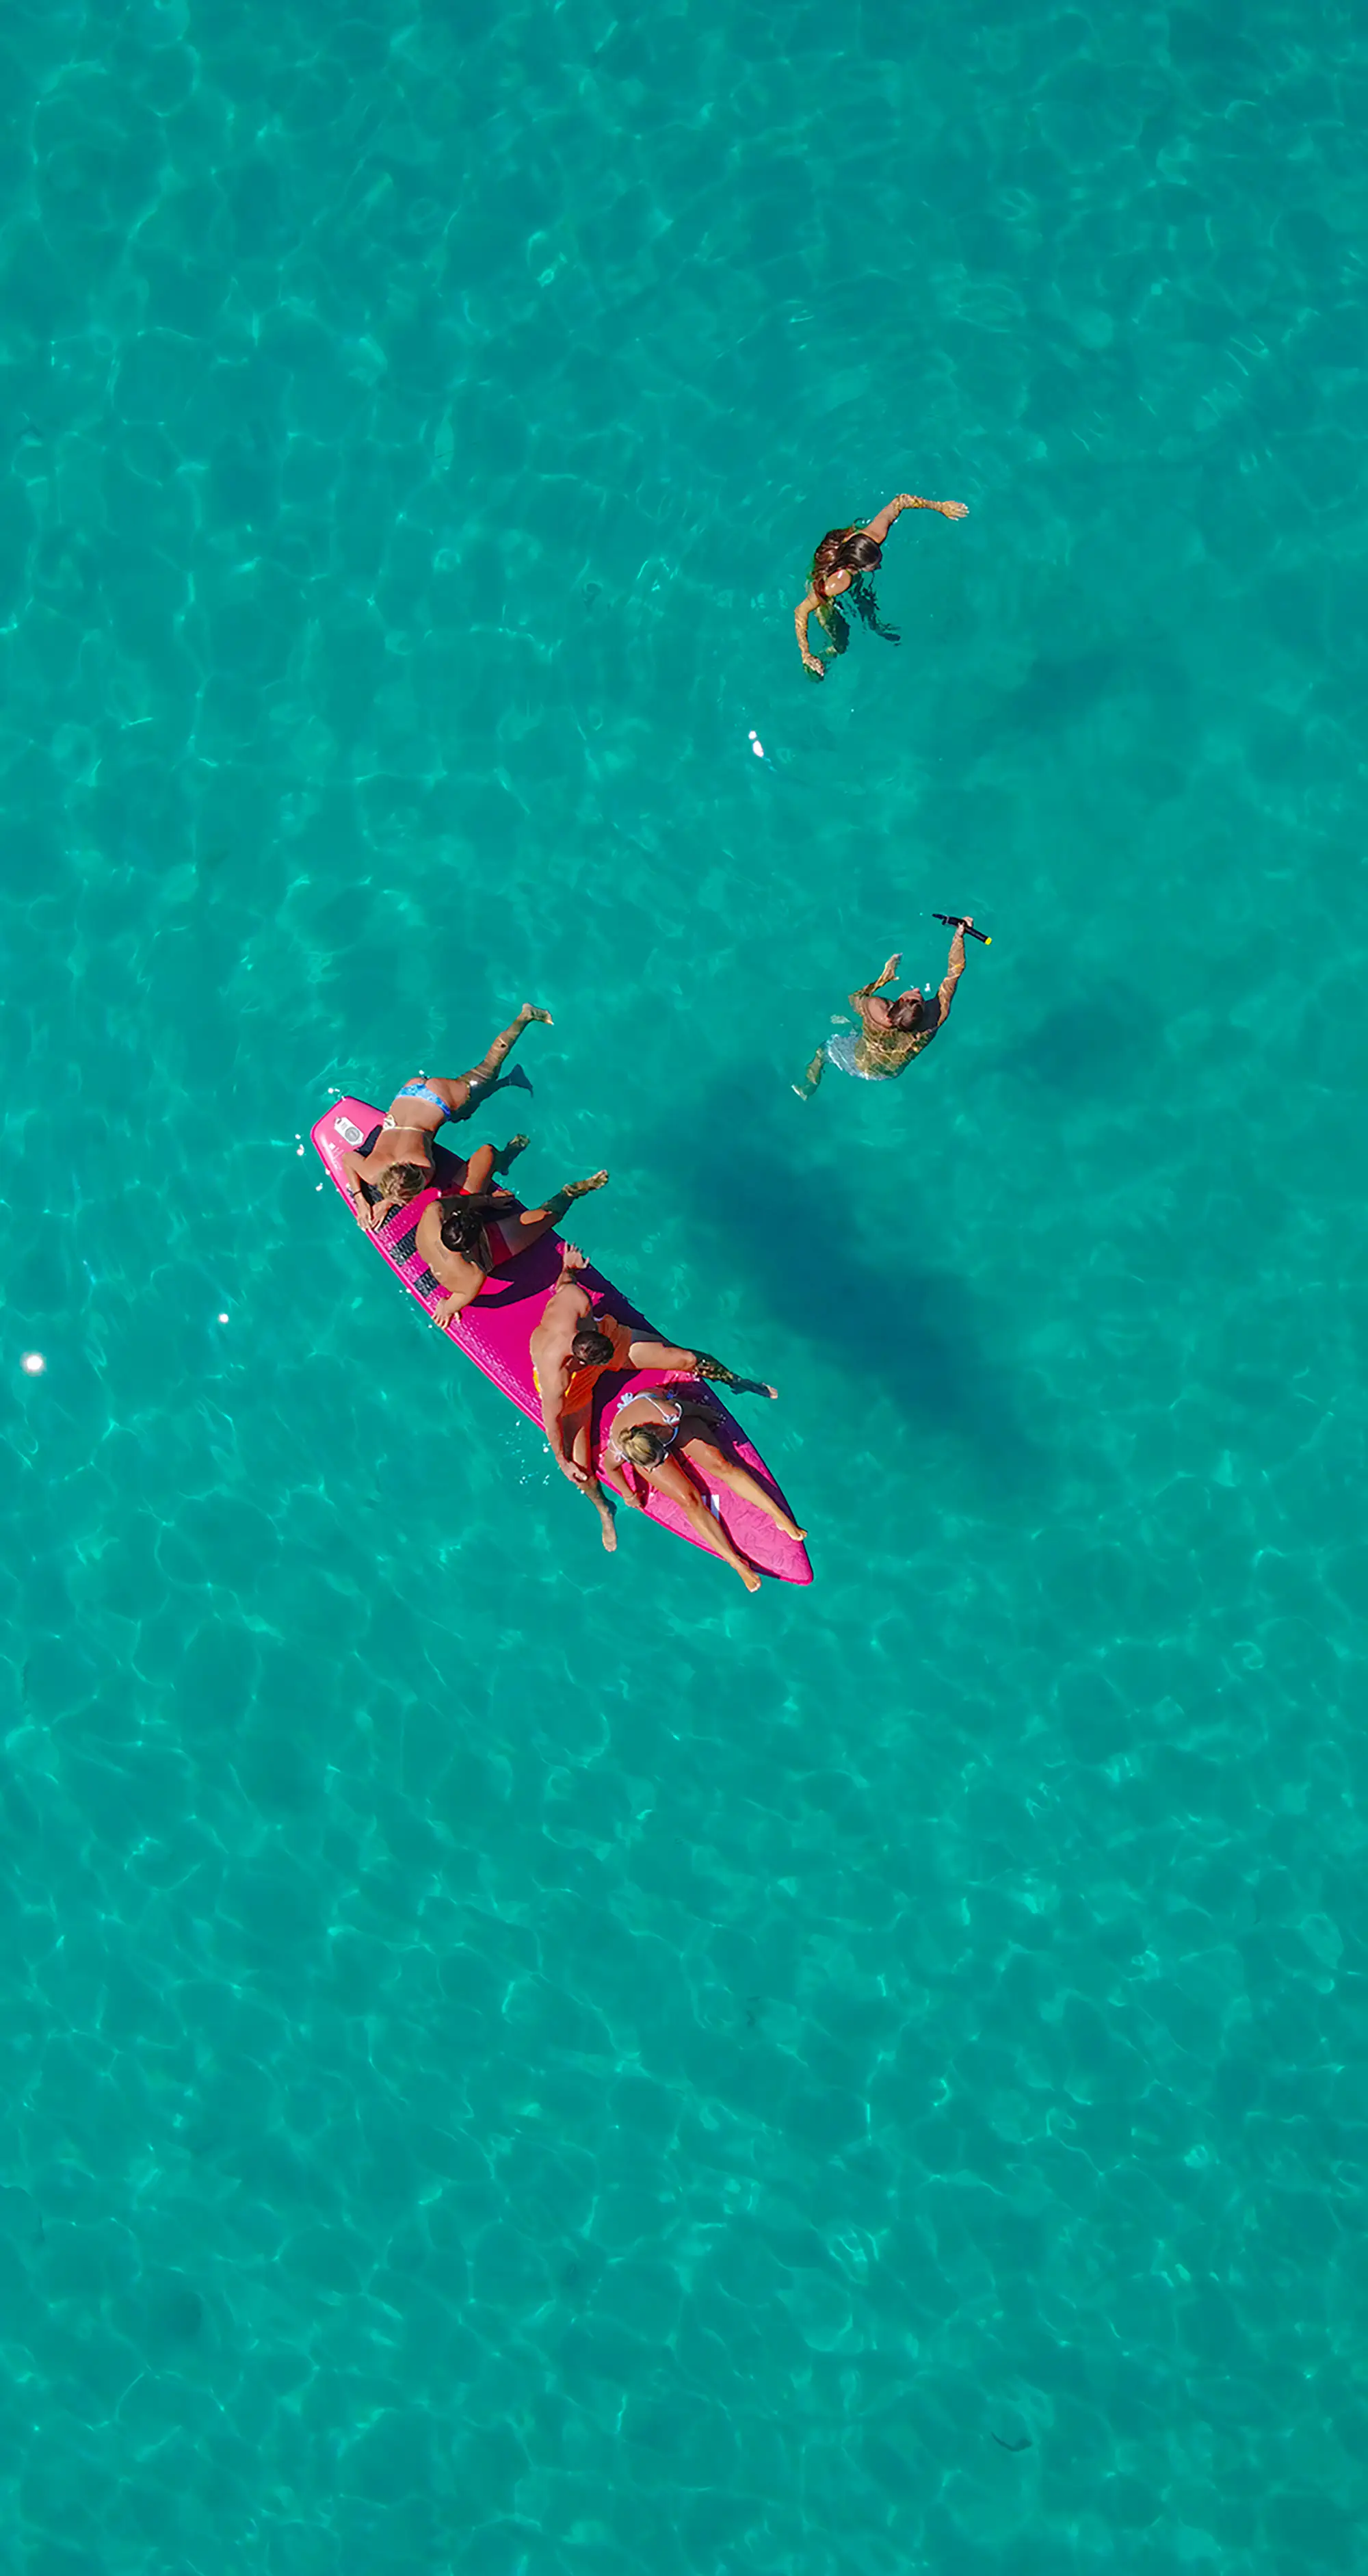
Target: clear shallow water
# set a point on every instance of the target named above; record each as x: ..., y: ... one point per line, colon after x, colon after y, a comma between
x: 517, y: 2063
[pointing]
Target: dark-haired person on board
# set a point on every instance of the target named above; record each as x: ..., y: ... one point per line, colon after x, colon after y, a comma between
x: 466, y: 1236
x: 575, y: 1345
x: 844, y: 566
x: 395, y: 1162
x: 890, y: 1033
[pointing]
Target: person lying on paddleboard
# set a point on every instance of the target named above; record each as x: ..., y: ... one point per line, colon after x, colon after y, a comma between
x: 466, y: 1236
x: 891, y: 1033
x: 648, y: 1439
x: 846, y: 561
x: 575, y: 1345
x: 396, y: 1159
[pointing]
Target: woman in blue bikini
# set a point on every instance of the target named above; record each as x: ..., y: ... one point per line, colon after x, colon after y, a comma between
x: 396, y: 1161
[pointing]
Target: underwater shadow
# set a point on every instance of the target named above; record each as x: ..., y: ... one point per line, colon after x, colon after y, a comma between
x: 1063, y: 689
x: 1095, y: 1048
x: 788, y: 1230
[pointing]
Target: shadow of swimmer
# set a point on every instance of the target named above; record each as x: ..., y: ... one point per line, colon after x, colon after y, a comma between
x: 763, y: 1212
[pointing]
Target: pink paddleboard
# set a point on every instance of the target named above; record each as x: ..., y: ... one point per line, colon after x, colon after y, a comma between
x: 496, y: 1330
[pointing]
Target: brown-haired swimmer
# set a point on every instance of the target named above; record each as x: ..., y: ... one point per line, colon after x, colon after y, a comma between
x: 576, y: 1344
x: 845, y: 562
x: 395, y: 1161
x: 651, y: 1436
x: 890, y: 1033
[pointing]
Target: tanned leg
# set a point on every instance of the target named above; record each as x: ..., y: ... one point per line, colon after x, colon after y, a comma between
x: 738, y: 1480
x: 522, y: 1231
x: 504, y: 1043
x: 672, y: 1480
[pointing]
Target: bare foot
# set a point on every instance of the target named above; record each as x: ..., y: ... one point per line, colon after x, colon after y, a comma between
x: 533, y: 1011
x: 605, y: 1512
x: 515, y: 1145
x: 578, y: 1189
x: 749, y: 1577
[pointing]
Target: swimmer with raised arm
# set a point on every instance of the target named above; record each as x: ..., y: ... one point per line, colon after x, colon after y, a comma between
x: 395, y: 1162
x: 574, y: 1346
x: 845, y: 562
x: 890, y: 1033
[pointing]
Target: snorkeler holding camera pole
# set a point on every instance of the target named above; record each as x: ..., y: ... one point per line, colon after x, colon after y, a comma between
x: 892, y: 1033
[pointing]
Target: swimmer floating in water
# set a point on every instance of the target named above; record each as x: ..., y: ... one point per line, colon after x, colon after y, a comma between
x: 395, y: 1162
x: 891, y: 1033
x: 574, y: 1346
x: 843, y: 561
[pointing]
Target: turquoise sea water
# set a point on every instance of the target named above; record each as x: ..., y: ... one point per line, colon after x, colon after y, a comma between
x: 519, y: 2065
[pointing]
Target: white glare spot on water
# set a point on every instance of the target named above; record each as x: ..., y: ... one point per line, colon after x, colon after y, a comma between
x: 759, y: 750
x: 299, y: 1149
x: 223, y: 1319
x: 33, y: 1363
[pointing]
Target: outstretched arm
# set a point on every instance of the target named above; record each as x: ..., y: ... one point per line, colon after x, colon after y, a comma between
x: 352, y: 1176
x: 570, y: 1302
x: 567, y: 1295
x: 801, y: 614
x: 878, y: 528
x: 552, y: 1404
x: 951, y: 977
x: 455, y: 1304
x: 462, y: 1279
x: 885, y: 976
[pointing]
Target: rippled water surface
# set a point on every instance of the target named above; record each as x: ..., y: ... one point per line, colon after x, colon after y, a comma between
x: 522, y: 2065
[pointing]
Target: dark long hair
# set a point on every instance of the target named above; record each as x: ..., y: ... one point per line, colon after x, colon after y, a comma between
x: 462, y: 1223
x: 850, y: 550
